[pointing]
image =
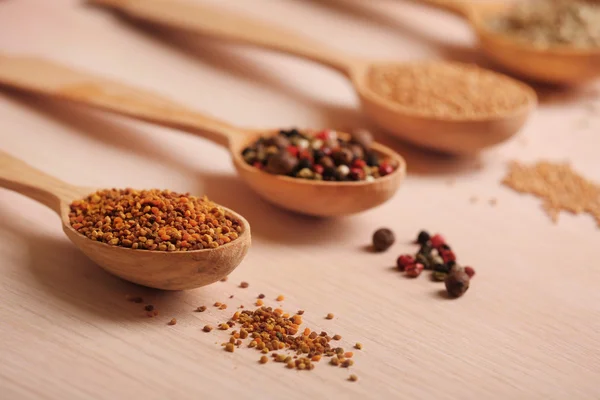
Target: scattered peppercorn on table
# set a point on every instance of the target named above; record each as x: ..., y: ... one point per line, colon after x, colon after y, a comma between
x: 359, y: 328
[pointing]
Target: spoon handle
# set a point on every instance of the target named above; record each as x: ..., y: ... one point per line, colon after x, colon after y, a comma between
x: 39, y: 76
x: 18, y: 176
x: 225, y: 25
x: 457, y: 7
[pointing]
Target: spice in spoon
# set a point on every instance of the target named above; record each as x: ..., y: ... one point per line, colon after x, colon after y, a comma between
x: 325, y: 155
x: 448, y: 90
x: 153, y: 220
x: 552, y: 23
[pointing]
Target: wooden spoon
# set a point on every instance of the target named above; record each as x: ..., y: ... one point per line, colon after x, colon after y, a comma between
x: 555, y: 65
x: 455, y: 135
x: 158, y: 269
x: 317, y: 198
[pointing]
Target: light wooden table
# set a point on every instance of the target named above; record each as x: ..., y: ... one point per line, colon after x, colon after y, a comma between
x: 529, y: 328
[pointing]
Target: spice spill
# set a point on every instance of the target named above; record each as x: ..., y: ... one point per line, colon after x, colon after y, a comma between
x: 329, y: 316
x: 264, y: 360
x: 280, y: 298
x: 244, y: 285
x: 353, y: 378
x: 201, y: 309
x: 558, y: 185
x: 358, y: 346
x: 173, y: 321
x: 207, y: 328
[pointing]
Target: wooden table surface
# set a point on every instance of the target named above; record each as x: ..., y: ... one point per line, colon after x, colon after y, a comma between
x: 529, y: 327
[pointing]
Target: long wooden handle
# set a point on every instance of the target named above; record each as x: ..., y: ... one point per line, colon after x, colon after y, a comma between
x: 457, y: 7
x: 22, y: 178
x: 44, y: 77
x: 212, y: 22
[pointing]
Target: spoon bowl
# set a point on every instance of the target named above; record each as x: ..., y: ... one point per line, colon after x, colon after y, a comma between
x: 459, y: 136
x: 318, y: 198
x: 178, y: 270
x: 450, y: 136
x: 310, y: 197
x: 560, y: 65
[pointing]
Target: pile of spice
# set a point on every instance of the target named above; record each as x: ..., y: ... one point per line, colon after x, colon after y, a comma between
x: 448, y: 90
x: 436, y: 255
x: 547, y: 23
x: 324, y: 155
x: 560, y: 188
x: 153, y: 220
x: 272, y: 331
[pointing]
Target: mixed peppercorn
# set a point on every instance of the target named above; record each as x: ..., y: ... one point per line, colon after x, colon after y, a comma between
x: 436, y: 255
x: 325, y: 155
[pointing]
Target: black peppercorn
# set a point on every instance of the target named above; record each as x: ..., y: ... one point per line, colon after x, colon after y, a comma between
x: 372, y: 159
x: 442, y: 268
x: 318, y: 154
x: 457, y: 282
x: 281, y: 163
x: 445, y: 247
x: 327, y: 162
x: 423, y: 238
x: 357, y: 151
x: 343, y: 156
x: 303, y: 163
x: 382, y: 239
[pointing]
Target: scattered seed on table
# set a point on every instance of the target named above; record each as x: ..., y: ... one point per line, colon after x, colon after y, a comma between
x: 244, y: 285
x: 291, y: 365
x: 347, y: 363
x: 337, y: 337
x: 222, y: 306
x: 358, y: 346
x: 334, y: 361
x: 353, y: 378
x: 173, y: 321
x: 469, y: 271
x: 457, y: 282
x: 329, y: 316
x: 261, y: 296
x: 231, y: 297
x: 300, y: 312
x: 217, y: 304
x: 280, y: 298
x: 383, y: 239
x: 201, y: 309
x: 207, y: 328
x: 224, y: 327
x: 264, y: 359
x: 259, y: 302
x: 224, y: 279
x: 229, y: 347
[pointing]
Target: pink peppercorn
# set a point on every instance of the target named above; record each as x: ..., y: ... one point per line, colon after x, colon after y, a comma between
x: 469, y: 271
x: 257, y: 164
x: 323, y: 135
x: 414, y: 270
x: 327, y: 151
x: 447, y: 255
x: 404, y: 261
x: 306, y: 155
x: 357, y: 174
x: 385, y: 169
x: 318, y: 168
x: 293, y: 150
x: 437, y: 241
x: 359, y: 164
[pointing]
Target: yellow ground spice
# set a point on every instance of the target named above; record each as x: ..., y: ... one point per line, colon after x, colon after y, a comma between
x: 559, y: 187
x: 448, y: 90
x: 153, y: 220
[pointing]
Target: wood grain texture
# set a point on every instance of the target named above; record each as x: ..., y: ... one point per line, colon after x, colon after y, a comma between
x: 527, y: 329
